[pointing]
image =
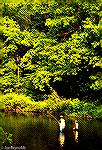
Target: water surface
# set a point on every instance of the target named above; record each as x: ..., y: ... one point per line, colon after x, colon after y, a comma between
x: 41, y: 132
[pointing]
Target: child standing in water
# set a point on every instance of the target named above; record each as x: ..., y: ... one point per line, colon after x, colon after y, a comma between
x: 76, y: 125
x: 62, y: 124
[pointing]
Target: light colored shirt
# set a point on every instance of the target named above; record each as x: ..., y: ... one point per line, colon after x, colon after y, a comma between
x: 76, y: 125
x: 62, y: 123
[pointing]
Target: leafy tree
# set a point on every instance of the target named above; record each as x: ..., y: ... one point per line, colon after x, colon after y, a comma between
x: 51, y: 43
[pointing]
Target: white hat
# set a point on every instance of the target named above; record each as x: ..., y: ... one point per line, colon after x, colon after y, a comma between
x: 61, y: 116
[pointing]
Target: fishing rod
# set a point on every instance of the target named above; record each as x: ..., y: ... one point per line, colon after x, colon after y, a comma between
x: 54, y: 118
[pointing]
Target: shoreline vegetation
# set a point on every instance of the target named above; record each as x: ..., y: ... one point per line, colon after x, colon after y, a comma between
x: 20, y: 103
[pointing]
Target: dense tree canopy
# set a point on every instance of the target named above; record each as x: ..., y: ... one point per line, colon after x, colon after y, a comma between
x: 51, y: 44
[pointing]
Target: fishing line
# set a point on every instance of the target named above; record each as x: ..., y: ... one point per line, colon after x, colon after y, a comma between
x: 54, y: 118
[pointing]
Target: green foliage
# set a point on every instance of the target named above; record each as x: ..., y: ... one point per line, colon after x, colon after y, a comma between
x: 99, y: 112
x: 13, y: 101
x: 44, y: 41
x: 88, y: 109
x: 74, y: 107
x: 97, y: 84
x: 5, y: 138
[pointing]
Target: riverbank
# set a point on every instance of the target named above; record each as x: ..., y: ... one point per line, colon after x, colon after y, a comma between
x: 13, y: 102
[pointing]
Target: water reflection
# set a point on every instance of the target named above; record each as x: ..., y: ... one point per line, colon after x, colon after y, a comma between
x: 75, y: 136
x: 61, y: 139
x: 42, y: 133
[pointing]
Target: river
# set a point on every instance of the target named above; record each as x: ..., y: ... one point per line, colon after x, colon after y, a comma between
x: 41, y: 132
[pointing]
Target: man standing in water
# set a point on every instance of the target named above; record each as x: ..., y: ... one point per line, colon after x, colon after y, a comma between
x: 62, y: 124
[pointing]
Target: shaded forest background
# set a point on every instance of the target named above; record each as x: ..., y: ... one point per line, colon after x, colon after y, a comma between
x: 51, y: 45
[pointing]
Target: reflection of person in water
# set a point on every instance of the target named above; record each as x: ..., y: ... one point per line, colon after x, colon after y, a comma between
x: 61, y: 139
x: 75, y: 130
x: 62, y: 124
x: 76, y: 136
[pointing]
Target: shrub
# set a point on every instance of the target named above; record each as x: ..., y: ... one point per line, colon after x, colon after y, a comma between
x: 5, y: 138
x: 13, y: 100
x: 99, y: 112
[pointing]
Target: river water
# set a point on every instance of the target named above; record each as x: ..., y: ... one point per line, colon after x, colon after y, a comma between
x: 41, y: 132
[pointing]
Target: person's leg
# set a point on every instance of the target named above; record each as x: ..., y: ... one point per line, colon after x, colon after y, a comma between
x: 61, y: 129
